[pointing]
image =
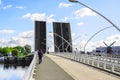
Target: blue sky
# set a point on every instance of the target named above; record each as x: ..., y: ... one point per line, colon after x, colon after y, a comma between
x: 17, y: 20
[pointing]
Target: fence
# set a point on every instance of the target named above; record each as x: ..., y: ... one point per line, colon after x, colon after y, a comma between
x: 29, y: 73
x: 105, y: 63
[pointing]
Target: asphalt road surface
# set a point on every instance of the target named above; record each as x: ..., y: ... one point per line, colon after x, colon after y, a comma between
x: 49, y: 70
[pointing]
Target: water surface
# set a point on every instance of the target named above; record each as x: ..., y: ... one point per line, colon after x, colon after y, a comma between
x: 12, y: 71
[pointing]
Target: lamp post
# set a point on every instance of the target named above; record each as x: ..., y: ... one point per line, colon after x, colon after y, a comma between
x: 94, y: 35
x: 75, y: 1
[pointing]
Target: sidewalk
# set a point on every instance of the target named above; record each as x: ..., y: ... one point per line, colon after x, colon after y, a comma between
x: 48, y: 70
x: 80, y: 71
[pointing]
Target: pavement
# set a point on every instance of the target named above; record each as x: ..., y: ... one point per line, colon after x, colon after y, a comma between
x: 49, y: 70
x: 58, y: 68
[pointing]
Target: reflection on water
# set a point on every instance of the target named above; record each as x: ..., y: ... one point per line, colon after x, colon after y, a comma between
x: 7, y: 66
x: 12, y: 71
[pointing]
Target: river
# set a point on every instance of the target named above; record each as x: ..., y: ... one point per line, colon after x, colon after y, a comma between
x: 12, y: 71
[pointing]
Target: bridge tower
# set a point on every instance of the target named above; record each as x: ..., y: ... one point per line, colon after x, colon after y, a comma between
x: 40, y: 35
x: 63, y: 30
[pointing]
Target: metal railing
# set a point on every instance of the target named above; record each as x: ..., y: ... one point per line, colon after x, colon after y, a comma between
x: 29, y: 73
x: 105, y: 63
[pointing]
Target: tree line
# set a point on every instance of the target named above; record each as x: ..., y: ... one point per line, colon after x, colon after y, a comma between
x: 19, y: 51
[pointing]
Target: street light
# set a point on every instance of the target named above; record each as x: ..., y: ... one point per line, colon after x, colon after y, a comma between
x: 75, y: 1
x: 94, y: 35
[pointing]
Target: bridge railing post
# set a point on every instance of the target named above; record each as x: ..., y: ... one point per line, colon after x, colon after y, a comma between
x: 102, y: 62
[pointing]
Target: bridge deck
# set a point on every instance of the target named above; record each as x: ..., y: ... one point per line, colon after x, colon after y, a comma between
x: 50, y: 70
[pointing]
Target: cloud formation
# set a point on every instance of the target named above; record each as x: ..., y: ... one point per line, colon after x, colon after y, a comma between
x: 7, y: 31
x: 21, y: 39
x: 20, y: 7
x: 39, y: 17
x: 14, y: 41
x: 84, y: 12
x: 27, y: 37
x: 27, y: 34
x: 51, y: 34
x: 0, y: 2
x: 65, y: 19
x: 80, y: 23
x: 7, y: 7
x: 62, y: 5
x: 92, y: 45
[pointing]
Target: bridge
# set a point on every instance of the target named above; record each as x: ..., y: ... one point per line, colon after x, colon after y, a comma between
x: 73, y: 66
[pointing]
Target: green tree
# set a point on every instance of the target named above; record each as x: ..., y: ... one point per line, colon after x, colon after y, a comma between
x: 27, y: 49
x: 19, y: 48
x: 6, y: 51
x: 15, y: 52
x: 1, y: 50
x: 23, y: 51
x: 20, y: 55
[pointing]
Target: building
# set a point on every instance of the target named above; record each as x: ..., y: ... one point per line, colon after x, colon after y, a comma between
x: 115, y: 50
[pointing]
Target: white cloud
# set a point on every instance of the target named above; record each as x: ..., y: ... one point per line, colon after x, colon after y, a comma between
x: 50, y: 18
x: 4, y: 40
x: 79, y: 45
x: 28, y: 15
x: 14, y: 41
x: 39, y: 17
x: 109, y: 40
x: 92, y: 45
x: 7, y: 31
x: 80, y: 23
x: 0, y: 2
x: 73, y: 34
x: 21, y: 39
x: 62, y: 5
x: 65, y: 19
x: 27, y: 34
x: 7, y: 7
x: 114, y: 37
x: 20, y: 7
x: 84, y: 12
x: 50, y: 34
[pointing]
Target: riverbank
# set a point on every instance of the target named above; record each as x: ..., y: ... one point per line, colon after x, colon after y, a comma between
x: 16, y: 60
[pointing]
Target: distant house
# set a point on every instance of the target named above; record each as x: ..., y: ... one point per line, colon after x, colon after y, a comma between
x: 115, y: 50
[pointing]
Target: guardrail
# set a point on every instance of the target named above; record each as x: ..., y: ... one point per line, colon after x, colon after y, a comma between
x: 105, y: 63
x: 29, y: 73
